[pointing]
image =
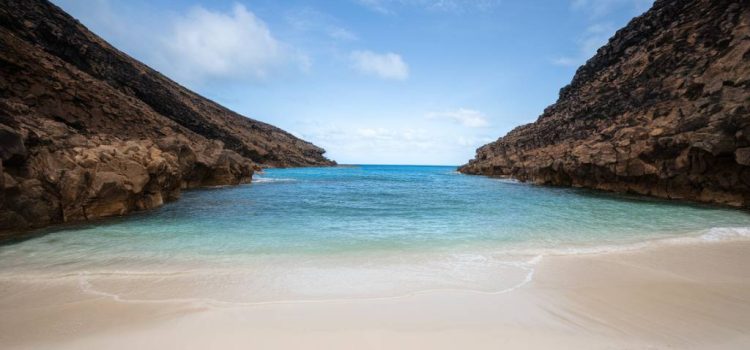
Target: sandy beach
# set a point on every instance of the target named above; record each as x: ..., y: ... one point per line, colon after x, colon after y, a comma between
x: 374, y: 174
x: 665, y: 296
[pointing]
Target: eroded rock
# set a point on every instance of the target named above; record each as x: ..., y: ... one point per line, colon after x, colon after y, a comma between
x: 663, y: 110
x: 88, y: 132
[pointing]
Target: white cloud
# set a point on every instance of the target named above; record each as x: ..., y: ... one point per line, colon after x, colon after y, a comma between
x: 386, y: 66
x: 375, y: 144
x: 193, y: 45
x: 380, y: 135
x: 204, y: 44
x: 466, y: 117
x: 411, y: 141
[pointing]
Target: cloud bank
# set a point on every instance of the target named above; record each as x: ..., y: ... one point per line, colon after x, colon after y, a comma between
x: 381, y: 144
x: 204, y: 44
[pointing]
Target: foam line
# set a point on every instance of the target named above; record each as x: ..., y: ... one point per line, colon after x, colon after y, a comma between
x: 270, y: 180
x: 86, y: 287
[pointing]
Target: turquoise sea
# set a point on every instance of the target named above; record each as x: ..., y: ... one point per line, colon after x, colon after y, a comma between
x: 349, y: 231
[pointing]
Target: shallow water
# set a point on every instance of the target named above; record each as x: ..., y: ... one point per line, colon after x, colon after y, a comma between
x: 298, y: 234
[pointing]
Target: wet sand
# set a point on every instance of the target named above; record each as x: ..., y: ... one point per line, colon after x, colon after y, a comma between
x: 668, y: 296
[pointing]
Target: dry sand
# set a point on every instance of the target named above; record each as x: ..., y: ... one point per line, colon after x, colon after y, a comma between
x: 684, y: 296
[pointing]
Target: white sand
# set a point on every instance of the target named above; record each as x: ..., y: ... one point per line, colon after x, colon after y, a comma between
x: 663, y: 297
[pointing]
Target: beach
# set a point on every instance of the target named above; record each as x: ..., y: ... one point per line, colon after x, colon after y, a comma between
x: 663, y: 296
x: 374, y: 174
x: 385, y: 257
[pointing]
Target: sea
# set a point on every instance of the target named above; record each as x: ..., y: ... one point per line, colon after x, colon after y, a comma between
x: 348, y: 232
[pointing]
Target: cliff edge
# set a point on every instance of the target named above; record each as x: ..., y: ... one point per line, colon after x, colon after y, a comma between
x: 663, y: 109
x: 87, y: 131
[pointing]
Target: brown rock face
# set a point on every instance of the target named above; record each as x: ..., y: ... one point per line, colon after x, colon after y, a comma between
x: 663, y: 109
x: 87, y: 132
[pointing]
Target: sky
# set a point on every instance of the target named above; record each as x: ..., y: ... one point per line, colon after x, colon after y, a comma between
x: 371, y: 81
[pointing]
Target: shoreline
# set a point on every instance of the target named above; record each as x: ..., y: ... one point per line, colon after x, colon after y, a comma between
x: 15, y: 236
x: 663, y: 296
x: 525, y: 259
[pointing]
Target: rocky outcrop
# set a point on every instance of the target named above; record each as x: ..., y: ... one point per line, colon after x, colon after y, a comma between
x: 663, y: 110
x: 88, y: 132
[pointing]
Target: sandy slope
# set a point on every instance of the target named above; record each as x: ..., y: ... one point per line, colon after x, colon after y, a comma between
x: 663, y: 297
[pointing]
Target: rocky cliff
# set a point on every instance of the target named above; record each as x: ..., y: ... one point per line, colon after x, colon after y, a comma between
x: 86, y: 131
x: 663, y: 109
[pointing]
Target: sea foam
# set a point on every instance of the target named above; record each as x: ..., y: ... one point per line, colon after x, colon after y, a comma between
x: 258, y: 180
x: 726, y: 233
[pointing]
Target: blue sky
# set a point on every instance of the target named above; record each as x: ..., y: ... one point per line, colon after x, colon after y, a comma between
x: 371, y: 81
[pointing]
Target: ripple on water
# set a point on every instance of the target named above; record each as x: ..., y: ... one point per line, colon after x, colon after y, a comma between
x: 362, y: 231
